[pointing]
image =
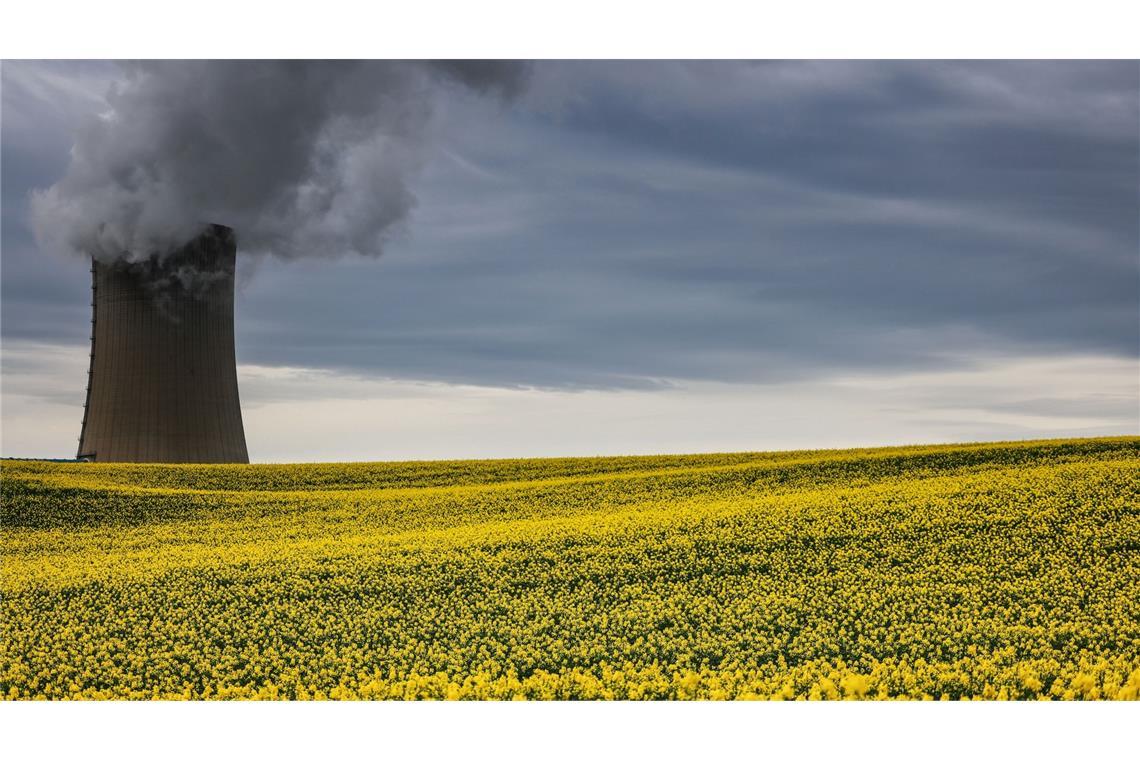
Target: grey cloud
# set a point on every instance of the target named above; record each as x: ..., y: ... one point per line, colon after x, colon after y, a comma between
x: 631, y: 225
x: 1105, y: 406
x: 305, y: 158
x: 1010, y: 135
x: 506, y: 78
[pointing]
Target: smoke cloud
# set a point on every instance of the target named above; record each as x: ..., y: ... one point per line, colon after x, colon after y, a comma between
x: 301, y: 158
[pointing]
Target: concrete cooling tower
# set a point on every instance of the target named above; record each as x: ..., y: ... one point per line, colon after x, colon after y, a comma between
x: 162, y: 386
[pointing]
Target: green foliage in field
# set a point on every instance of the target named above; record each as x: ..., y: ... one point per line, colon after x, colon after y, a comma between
x: 975, y: 571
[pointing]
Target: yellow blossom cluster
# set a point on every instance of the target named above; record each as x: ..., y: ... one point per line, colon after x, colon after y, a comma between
x: 980, y: 571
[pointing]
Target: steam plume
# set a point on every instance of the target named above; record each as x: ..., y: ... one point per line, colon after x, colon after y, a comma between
x: 302, y: 158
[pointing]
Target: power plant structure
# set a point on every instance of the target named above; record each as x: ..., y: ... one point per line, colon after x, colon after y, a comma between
x: 162, y: 384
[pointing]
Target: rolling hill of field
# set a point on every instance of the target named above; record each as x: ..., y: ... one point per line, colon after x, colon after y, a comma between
x: 965, y: 571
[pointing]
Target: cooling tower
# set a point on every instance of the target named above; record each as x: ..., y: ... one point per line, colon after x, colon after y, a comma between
x: 162, y: 386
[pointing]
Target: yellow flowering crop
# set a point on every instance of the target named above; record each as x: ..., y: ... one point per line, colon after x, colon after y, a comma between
x: 992, y: 571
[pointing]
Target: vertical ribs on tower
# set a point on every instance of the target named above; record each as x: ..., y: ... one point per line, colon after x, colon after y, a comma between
x: 162, y: 385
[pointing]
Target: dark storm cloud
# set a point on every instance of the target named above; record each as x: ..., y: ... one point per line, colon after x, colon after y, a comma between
x: 505, y: 78
x: 633, y: 224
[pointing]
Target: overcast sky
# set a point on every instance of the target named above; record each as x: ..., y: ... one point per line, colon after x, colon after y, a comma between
x: 666, y: 257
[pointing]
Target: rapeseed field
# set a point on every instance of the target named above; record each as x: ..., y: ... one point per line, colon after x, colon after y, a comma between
x: 992, y: 571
